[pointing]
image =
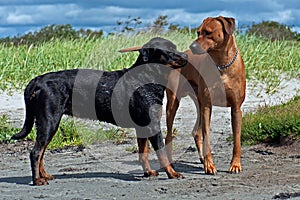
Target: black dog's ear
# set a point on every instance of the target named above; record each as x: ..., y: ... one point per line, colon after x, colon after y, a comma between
x: 130, y: 49
x: 145, y: 54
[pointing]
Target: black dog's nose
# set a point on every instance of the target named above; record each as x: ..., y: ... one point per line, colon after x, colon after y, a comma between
x: 184, y: 56
x: 196, y: 48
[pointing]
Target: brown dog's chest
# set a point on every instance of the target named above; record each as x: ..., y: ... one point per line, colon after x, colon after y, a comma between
x: 227, y: 91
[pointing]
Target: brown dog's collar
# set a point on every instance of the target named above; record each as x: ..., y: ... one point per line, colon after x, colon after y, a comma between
x: 222, y: 67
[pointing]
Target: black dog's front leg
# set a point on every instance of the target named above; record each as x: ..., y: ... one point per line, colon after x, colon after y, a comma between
x: 159, y: 147
x: 143, y: 157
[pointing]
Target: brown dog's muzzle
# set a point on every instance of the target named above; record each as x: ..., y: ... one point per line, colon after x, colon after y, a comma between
x: 196, y: 48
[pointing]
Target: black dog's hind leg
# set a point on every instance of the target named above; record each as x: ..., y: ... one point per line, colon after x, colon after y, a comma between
x: 47, y: 125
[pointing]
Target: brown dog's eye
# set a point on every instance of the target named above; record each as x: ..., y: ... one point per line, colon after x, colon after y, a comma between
x: 205, y: 32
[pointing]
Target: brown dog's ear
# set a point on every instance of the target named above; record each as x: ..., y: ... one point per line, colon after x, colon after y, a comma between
x: 130, y: 49
x: 229, y: 24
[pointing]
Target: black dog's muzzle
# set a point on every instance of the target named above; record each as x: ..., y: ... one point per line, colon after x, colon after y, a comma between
x: 183, y: 59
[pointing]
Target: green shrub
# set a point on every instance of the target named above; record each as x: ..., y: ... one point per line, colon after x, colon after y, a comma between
x: 6, y: 129
x: 268, y: 124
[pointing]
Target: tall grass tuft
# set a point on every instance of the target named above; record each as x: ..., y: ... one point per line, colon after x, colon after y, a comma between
x: 18, y: 65
x: 268, y: 124
x: 264, y: 60
x: 269, y: 62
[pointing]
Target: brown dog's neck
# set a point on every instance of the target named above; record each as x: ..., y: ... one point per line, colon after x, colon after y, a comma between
x: 226, y: 53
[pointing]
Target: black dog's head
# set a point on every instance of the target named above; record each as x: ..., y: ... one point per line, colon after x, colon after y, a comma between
x: 161, y: 51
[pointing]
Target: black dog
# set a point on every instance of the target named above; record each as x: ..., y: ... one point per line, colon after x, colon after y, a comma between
x: 128, y: 98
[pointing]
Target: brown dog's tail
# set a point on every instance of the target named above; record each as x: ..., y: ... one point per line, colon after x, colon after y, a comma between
x: 29, y: 96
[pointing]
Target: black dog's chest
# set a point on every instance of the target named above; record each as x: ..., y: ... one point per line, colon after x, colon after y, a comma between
x: 116, y: 104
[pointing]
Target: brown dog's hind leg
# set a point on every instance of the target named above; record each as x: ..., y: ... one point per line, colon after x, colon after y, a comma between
x: 209, y: 166
x: 198, y: 137
x: 143, y: 157
x: 197, y: 134
x: 172, y: 106
x: 236, y: 119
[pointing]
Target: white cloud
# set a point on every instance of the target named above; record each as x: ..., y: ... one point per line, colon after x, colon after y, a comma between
x: 283, y: 16
x: 296, y: 29
x: 21, y: 14
x: 14, y: 18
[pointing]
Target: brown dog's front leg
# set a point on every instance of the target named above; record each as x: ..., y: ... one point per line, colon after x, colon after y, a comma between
x: 143, y: 157
x: 236, y: 120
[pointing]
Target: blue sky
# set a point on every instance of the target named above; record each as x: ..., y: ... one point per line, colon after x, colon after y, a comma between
x: 22, y: 16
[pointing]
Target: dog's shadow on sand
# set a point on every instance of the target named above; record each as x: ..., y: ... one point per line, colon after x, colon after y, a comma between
x: 180, y: 166
x: 26, y: 180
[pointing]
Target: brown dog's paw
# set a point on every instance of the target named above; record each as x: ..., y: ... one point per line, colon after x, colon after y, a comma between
x: 150, y: 173
x: 209, y: 167
x: 175, y: 175
x: 40, y: 181
x: 47, y: 177
x: 172, y: 174
x: 235, y: 168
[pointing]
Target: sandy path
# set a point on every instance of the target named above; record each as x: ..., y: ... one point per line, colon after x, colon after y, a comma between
x: 108, y: 171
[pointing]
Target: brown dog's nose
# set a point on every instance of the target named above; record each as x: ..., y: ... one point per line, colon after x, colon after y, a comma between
x: 196, y: 48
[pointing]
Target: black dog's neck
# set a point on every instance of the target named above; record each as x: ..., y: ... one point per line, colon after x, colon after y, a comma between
x: 139, y: 61
x: 152, y: 71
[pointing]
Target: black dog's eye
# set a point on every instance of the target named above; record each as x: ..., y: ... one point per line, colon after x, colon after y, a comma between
x: 171, y: 54
x: 143, y: 52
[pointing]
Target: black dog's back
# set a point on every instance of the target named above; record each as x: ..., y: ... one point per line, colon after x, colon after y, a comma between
x: 47, y: 88
x: 87, y: 93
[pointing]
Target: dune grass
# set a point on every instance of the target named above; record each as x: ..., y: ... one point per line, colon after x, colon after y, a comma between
x: 20, y: 64
x: 265, y: 61
x: 269, y: 62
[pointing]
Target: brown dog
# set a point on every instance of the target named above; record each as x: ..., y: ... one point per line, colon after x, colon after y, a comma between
x: 217, y: 45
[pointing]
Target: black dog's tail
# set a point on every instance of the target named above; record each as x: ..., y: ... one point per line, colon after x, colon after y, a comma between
x: 29, y: 96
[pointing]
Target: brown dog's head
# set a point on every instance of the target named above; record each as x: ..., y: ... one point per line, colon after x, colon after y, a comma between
x: 213, y: 34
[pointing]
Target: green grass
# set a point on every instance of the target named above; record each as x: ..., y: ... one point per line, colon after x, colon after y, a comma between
x: 269, y: 61
x: 18, y: 65
x: 264, y: 61
x: 71, y: 132
x: 268, y: 124
x: 6, y: 129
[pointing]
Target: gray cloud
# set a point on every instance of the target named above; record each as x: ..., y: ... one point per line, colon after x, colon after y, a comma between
x: 19, y: 16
